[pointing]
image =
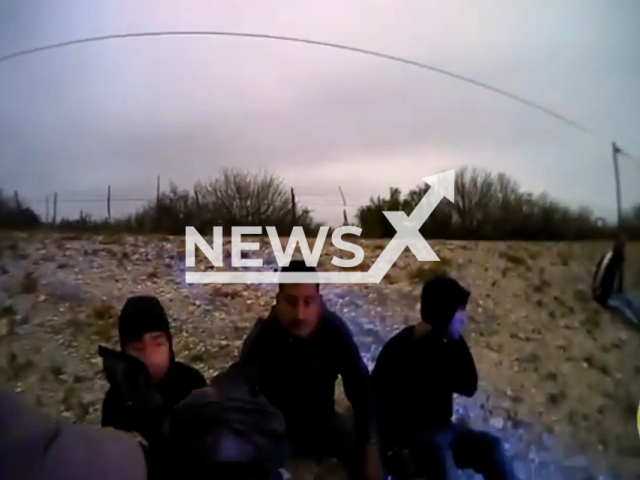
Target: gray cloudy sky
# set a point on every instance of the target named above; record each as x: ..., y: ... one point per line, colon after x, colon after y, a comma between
x: 121, y: 112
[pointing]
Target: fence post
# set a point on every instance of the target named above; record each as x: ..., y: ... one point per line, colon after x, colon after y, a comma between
x: 109, y: 203
x: 55, y: 208
x: 158, y: 204
x: 294, y: 216
x: 345, y: 220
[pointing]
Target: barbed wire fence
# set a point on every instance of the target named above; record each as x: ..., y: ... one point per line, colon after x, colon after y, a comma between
x: 101, y: 206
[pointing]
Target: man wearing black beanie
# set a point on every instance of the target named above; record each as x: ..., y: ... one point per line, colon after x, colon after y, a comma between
x: 414, y: 379
x: 144, y: 333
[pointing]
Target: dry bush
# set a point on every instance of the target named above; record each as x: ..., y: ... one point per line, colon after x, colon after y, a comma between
x: 492, y: 206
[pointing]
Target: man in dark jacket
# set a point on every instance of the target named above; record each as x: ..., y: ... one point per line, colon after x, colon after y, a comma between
x: 295, y: 356
x: 608, y: 283
x: 414, y: 379
x: 144, y: 333
x: 34, y: 448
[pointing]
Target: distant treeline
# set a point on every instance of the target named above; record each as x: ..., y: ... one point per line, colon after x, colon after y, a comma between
x: 488, y: 207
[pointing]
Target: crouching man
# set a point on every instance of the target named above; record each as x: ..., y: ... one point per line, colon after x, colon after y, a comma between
x: 414, y: 379
x: 295, y: 356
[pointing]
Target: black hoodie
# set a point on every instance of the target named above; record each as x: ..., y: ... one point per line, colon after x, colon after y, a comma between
x: 608, y: 271
x: 414, y: 379
x: 298, y: 375
x: 140, y: 315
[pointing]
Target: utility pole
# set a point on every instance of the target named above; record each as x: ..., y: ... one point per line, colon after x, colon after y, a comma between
x: 46, y: 199
x: 616, y: 151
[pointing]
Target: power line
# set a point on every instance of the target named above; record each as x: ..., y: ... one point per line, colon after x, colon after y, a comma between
x: 319, y: 43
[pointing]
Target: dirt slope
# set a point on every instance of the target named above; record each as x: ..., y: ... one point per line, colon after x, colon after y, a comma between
x: 550, y: 361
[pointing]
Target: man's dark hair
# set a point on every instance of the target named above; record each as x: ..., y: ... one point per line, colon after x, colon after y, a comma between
x: 298, y: 266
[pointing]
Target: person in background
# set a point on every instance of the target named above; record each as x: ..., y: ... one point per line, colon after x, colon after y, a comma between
x: 144, y: 333
x: 34, y: 448
x: 607, y: 287
x: 414, y: 379
x: 295, y: 356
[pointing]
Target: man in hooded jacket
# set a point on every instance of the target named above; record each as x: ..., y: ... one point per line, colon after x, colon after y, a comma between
x: 144, y: 333
x: 607, y: 287
x: 414, y: 379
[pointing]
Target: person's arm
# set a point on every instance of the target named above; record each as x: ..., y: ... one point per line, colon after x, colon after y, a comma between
x: 620, y: 272
x: 252, y: 355
x: 357, y: 385
x: 464, y: 378
x: 197, y: 379
x: 388, y: 395
x: 252, y: 341
x: 115, y: 413
x: 596, y: 287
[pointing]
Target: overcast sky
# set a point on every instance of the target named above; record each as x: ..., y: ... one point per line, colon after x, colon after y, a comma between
x: 122, y: 112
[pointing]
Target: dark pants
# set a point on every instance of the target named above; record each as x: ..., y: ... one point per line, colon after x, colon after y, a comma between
x: 336, y: 439
x: 439, y: 454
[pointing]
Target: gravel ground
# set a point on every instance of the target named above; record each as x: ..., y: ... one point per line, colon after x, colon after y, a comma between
x: 558, y: 376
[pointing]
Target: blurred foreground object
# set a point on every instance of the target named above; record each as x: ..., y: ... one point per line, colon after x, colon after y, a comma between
x: 34, y: 448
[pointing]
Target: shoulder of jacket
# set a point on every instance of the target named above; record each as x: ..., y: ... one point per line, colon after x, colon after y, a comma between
x: 186, y: 369
x: 333, y: 319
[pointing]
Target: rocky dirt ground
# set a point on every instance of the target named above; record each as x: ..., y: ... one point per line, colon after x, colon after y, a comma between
x: 560, y: 378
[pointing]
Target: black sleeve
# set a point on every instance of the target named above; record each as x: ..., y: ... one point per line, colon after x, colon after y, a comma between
x: 464, y: 379
x: 115, y: 413
x: 197, y: 379
x: 388, y: 396
x: 252, y: 355
x: 357, y: 385
x: 251, y: 343
x: 620, y: 272
x: 596, y: 286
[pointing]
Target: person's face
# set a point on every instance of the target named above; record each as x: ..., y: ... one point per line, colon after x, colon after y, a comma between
x: 154, y: 350
x: 457, y: 325
x: 299, y: 307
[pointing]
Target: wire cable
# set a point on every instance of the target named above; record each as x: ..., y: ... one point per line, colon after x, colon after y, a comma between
x: 319, y: 43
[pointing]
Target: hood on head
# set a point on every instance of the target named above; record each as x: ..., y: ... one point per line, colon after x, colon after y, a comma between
x: 142, y: 314
x: 441, y: 297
